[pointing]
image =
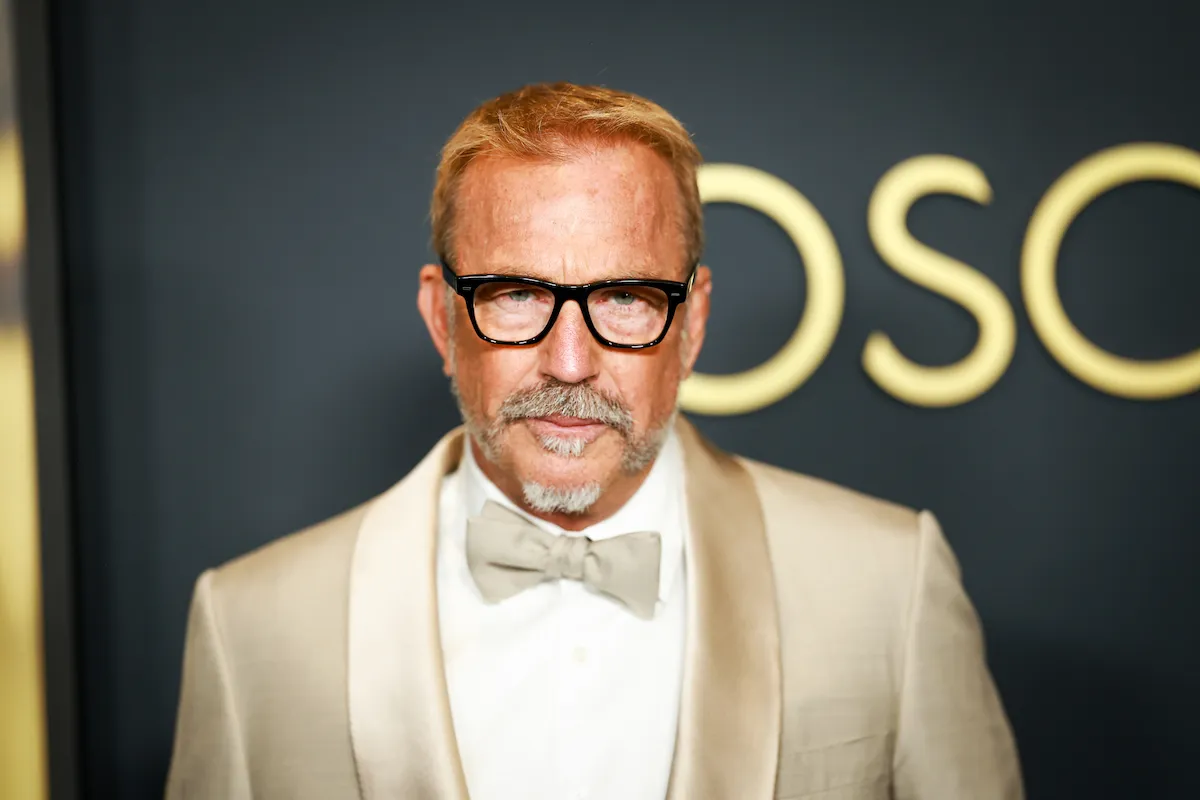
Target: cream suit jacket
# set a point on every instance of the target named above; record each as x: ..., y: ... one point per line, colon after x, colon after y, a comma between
x: 831, y: 654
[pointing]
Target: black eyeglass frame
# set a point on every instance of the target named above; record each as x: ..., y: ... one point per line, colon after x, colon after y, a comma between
x: 465, y: 285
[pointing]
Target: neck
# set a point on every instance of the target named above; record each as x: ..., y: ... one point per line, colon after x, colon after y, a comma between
x: 614, y: 496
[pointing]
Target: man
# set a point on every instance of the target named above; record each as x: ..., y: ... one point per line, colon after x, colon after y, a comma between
x: 576, y: 595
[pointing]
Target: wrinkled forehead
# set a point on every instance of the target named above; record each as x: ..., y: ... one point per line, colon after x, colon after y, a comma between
x: 591, y: 215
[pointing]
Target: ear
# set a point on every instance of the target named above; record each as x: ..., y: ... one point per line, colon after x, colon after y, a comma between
x: 696, y: 316
x: 431, y: 302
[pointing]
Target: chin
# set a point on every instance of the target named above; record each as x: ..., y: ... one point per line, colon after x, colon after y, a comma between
x: 566, y: 472
x: 553, y: 483
x: 570, y: 500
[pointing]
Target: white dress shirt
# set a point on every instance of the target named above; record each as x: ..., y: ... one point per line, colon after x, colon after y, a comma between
x: 560, y: 692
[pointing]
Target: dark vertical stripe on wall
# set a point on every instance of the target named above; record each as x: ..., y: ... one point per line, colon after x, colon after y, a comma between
x: 35, y: 85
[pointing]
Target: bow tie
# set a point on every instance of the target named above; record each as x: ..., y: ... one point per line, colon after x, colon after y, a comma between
x: 507, y: 554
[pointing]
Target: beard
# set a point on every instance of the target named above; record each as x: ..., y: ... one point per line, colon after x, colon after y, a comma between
x: 579, y: 400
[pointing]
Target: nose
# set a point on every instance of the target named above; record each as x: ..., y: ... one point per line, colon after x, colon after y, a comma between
x: 568, y: 353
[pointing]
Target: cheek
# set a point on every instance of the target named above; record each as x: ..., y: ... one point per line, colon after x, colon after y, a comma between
x: 487, y: 375
x: 648, y: 384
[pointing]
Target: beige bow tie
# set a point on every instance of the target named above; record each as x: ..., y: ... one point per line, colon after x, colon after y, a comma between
x: 507, y: 554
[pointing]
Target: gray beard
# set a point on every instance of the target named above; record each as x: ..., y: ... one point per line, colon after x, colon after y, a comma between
x: 638, y: 454
x: 560, y: 500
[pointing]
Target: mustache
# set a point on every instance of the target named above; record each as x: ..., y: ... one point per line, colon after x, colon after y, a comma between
x: 577, y: 400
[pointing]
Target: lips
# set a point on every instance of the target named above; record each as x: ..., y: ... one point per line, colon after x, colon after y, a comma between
x: 568, y: 422
x: 564, y: 427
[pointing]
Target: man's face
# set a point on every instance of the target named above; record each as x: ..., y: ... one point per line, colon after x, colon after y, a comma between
x: 567, y: 419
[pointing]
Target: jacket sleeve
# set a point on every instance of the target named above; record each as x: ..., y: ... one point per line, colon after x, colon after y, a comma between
x: 953, y: 738
x: 208, y: 761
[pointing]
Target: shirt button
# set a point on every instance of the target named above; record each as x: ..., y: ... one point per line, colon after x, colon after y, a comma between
x: 580, y: 655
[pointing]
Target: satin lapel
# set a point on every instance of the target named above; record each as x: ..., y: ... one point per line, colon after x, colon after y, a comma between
x: 727, y: 747
x: 400, y: 724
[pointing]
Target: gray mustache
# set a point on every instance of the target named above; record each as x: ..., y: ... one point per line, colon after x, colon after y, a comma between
x: 569, y: 400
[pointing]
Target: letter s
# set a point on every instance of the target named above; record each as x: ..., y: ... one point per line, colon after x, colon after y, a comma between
x: 887, y: 215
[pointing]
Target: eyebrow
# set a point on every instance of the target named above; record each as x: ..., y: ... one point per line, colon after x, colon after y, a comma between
x: 637, y: 273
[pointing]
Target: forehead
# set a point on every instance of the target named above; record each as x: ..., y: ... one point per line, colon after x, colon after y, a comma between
x: 600, y: 211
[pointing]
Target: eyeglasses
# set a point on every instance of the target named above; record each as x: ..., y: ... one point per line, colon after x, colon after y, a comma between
x: 629, y: 313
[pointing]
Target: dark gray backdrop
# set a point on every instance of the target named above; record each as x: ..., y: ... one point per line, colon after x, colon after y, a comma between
x: 245, y: 186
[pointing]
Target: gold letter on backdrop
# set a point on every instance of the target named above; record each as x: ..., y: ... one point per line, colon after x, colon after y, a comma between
x: 22, y: 718
x: 887, y: 215
x: 785, y: 371
x: 1062, y: 203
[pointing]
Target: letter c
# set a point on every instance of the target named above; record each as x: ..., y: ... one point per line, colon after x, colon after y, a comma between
x: 1062, y: 203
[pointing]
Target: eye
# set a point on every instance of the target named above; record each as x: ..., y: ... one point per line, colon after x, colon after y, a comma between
x: 518, y: 295
x: 623, y: 298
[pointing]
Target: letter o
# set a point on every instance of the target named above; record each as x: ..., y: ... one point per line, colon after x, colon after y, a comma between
x: 1062, y: 203
x: 784, y: 372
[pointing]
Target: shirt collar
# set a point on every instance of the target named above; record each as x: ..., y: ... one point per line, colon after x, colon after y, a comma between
x: 658, y: 505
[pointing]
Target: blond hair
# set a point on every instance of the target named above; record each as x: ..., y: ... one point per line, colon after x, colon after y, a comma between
x: 551, y: 121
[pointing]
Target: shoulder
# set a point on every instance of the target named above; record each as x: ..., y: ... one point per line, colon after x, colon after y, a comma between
x: 293, y: 577
x: 317, y: 559
x: 845, y: 564
x: 788, y: 494
x: 307, y: 555
x: 280, y: 607
x: 822, y: 534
